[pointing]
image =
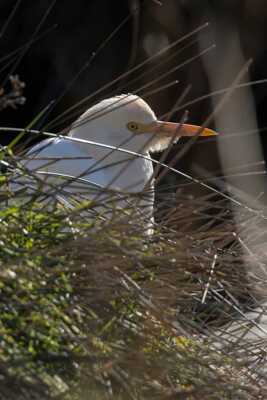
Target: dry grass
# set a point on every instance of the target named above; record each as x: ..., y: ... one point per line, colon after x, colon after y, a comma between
x: 102, y: 310
x: 96, y: 309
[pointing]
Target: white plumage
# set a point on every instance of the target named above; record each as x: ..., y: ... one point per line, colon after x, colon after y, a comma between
x: 125, y: 122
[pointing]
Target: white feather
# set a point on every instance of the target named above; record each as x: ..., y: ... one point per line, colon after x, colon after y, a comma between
x: 96, y: 166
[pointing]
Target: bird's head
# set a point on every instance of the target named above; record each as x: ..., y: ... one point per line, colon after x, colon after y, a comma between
x: 128, y: 122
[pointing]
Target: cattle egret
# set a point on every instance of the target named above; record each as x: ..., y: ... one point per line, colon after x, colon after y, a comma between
x: 107, y: 147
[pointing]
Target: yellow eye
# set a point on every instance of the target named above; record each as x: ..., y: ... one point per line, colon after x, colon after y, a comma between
x: 133, y: 126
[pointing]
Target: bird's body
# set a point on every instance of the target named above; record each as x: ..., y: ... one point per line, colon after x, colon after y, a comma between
x: 83, y: 163
x: 67, y: 158
x: 70, y: 173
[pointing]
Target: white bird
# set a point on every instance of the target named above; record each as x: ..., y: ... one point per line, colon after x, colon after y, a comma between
x: 124, y: 122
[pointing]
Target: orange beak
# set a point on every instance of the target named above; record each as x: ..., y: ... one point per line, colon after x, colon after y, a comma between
x: 172, y: 128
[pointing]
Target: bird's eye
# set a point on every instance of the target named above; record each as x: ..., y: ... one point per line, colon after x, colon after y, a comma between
x: 133, y: 126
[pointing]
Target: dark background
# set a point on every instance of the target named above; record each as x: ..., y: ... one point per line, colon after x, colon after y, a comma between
x: 49, y: 66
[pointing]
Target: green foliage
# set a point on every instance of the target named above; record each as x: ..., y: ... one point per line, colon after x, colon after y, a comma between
x: 96, y: 311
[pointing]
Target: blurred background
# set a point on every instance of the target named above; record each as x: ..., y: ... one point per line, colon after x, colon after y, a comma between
x: 58, y: 63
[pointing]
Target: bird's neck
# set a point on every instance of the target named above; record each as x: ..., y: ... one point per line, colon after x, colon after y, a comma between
x: 128, y: 174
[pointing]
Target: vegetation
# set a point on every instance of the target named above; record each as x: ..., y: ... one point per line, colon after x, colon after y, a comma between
x: 100, y: 310
x: 97, y: 309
